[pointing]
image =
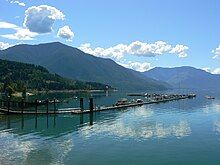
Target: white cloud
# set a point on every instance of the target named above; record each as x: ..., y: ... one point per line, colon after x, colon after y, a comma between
x: 144, y: 49
x: 207, y: 69
x: 216, y: 71
x: 6, y: 25
x: 40, y: 19
x: 4, y: 45
x: 21, y: 34
x: 216, y: 52
x: 141, y: 67
x: 19, y: 3
x: 136, y: 48
x: 180, y: 50
x: 66, y: 33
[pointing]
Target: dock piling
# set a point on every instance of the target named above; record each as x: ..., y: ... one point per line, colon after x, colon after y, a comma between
x: 54, y: 105
x: 22, y: 105
x: 47, y: 104
x: 91, y: 104
x: 8, y: 104
x: 36, y: 105
x: 81, y: 104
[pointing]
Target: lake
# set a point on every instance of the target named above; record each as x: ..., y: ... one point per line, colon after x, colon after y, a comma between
x: 178, y: 132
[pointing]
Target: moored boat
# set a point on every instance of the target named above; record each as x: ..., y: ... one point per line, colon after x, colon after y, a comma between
x: 123, y: 101
x: 209, y: 97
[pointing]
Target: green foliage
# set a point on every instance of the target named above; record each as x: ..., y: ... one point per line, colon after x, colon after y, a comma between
x: 15, y: 76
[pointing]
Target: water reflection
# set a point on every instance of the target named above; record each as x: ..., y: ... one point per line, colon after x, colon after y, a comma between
x: 213, y: 107
x: 26, y: 150
x: 139, y: 123
x: 54, y: 139
x: 150, y: 130
x: 217, y: 126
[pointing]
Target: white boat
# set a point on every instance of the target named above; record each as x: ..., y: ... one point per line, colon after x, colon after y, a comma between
x: 139, y: 101
x: 209, y: 97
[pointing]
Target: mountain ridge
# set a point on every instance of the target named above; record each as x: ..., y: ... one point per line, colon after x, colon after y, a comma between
x: 73, y: 63
x: 185, y: 77
x: 19, y: 77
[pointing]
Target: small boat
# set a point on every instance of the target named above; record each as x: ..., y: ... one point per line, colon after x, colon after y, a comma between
x: 139, y: 101
x: 192, y: 95
x: 209, y: 97
x: 123, y: 101
x: 52, y: 101
x: 135, y: 94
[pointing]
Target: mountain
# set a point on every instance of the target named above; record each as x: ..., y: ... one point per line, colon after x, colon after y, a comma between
x: 185, y: 77
x: 73, y: 63
x: 19, y: 76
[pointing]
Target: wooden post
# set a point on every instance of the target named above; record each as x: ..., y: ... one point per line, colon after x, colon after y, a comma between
x: 36, y: 102
x: 22, y: 122
x: 91, y: 118
x: 81, y: 104
x: 36, y: 121
x: 22, y: 105
x: 91, y: 104
x: 8, y: 104
x: 54, y: 105
x: 47, y: 102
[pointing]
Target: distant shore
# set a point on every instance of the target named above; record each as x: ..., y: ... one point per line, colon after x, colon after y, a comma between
x: 31, y: 93
x: 69, y: 91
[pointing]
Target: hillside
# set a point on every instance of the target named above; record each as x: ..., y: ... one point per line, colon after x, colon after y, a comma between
x: 19, y: 77
x: 72, y: 63
x: 185, y: 77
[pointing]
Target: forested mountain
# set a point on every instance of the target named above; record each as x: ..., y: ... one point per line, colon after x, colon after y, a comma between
x: 185, y: 77
x: 16, y: 76
x: 72, y: 63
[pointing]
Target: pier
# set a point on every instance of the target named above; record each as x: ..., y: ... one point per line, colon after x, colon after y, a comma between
x: 36, y: 107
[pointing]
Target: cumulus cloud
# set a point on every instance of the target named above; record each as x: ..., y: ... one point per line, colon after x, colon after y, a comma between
x: 66, y: 33
x: 4, y: 45
x: 207, y: 69
x: 138, y: 66
x: 216, y: 71
x: 18, y: 3
x: 180, y: 50
x: 20, y: 33
x: 213, y: 71
x: 136, y: 48
x: 216, y: 52
x: 40, y: 19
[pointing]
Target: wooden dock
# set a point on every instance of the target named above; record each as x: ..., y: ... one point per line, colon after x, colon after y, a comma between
x: 9, y: 110
x: 125, y: 106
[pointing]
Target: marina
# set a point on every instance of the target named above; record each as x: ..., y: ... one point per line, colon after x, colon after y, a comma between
x: 42, y: 107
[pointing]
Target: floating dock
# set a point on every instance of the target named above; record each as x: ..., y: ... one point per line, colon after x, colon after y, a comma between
x: 8, y: 109
x: 115, y: 107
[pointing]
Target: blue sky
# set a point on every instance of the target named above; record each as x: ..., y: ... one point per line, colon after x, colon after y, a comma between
x: 125, y: 31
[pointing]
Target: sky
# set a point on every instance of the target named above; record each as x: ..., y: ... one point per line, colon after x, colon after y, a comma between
x: 138, y: 34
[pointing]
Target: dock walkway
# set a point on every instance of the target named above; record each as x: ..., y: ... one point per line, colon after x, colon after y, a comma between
x: 7, y: 110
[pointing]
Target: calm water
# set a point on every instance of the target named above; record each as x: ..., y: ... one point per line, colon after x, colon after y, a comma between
x: 180, y: 132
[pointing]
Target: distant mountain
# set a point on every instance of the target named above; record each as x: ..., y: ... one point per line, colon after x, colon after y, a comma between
x: 73, y: 63
x: 185, y: 77
x: 16, y: 76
